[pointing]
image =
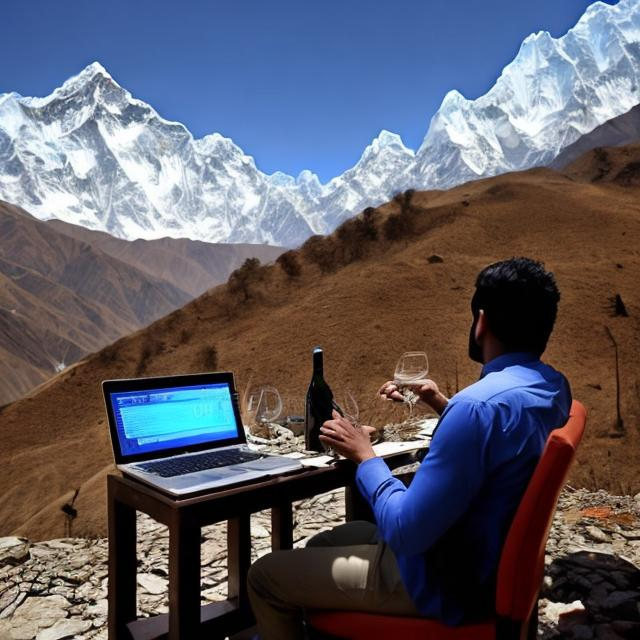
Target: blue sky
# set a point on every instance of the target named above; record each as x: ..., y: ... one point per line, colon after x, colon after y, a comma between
x: 297, y: 84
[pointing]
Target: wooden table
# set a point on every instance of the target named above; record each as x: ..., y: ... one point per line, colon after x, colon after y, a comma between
x: 186, y: 619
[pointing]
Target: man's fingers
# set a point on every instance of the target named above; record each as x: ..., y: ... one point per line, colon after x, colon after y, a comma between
x: 330, y: 442
x: 387, y: 388
x: 333, y: 429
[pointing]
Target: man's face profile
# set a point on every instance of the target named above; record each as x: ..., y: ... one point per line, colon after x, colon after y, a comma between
x: 475, y: 351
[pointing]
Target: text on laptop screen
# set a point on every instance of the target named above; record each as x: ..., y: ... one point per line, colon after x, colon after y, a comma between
x: 159, y: 419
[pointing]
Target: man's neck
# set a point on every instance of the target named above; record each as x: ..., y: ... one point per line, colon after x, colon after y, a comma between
x: 491, y: 349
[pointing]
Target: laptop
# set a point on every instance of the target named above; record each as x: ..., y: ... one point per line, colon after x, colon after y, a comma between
x: 183, y: 434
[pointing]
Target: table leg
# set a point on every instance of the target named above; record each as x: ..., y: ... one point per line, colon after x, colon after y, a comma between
x: 122, y: 566
x: 184, y: 579
x: 355, y: 506
x: 282, y: 526
x: 239, y: 559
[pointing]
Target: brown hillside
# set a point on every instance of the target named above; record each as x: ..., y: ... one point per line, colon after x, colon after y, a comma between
x: 190, y: 265
x: 370, y: 300
x: 61, y: 298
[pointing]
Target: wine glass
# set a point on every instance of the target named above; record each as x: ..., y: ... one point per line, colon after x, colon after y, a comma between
x: 263, y: 405
x: 412, y: 366
x: 347, y: 406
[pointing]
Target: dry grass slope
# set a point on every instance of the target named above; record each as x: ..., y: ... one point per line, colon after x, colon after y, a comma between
x: 367, y: 293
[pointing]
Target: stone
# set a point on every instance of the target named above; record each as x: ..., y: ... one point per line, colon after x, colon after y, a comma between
x: 626, y: 628
x: 554, y: 610
x: 596, y: 534
x: 67, y: 628
x: 601, y: 576
x: 623, y: 605
x: 13, y: 550
x: 34, y: 614
x: 152, y: 584
x: 435, y: 259
x: 259, y: 531
x: 582, y: 632
x: 606, y: 632
x: 8, y: 611
x: 97, y: 610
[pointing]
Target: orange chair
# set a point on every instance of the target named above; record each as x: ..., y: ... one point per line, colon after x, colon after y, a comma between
x: 520, y: 570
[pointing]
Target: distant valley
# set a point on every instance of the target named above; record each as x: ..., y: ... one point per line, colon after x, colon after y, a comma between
x: 66, y: 291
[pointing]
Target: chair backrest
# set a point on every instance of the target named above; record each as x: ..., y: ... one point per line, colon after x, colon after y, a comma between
x: 522, y: 561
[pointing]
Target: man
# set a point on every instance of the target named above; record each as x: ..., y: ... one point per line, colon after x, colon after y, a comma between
x: 436, y: 546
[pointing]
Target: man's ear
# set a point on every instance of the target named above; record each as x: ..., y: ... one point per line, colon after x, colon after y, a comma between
x: 481, y: 326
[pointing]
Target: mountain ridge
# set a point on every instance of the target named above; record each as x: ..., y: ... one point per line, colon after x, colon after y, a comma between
x: 372, y: 279
x: 95, y: 156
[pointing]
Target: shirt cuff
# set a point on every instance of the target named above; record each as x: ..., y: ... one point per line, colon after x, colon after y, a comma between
x: 370, y: 475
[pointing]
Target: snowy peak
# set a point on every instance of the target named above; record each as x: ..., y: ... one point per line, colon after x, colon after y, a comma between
x: 554, y: 91
x: 83, y: 84
x: 93, y: 155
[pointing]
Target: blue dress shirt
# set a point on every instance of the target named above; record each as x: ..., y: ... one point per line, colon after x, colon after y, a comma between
x: 448, y: 527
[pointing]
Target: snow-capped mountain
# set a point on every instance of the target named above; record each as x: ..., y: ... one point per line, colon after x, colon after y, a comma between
x: 553, y: 92
x: 93, y: 155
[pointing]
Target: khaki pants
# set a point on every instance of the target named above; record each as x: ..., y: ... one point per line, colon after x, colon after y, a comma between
x: 344, y: 568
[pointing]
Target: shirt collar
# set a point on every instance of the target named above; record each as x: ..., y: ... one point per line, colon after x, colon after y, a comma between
x: 508, y: 360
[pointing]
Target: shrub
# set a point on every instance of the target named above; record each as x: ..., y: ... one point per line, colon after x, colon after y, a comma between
x: 406, y: 201
x: 108, y: 355
x: 320, y: 251
x: 209, y: 358
x: 397, y: 226
x: 241, y: 279
x: 369, y: 228
x: 146, y: 354
x: 289, y: 264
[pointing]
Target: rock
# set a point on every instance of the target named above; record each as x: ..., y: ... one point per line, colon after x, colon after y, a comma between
x: 582, y: 632
x: 32, y: 615
x: 626, y: 628
x: 620, y: 580
x: 596, y: 534
x: 67, y: 628
x: 606, y: 632
x: 623, y: 605
x: 8, y: 597
x: 259, y: 531
x: 211, y: 551
x: 74, y: 571
x: 13, y: 550
x: 152, y: 584
x: 435, y: 259
x: 554, y: 610
x: 97, y: 610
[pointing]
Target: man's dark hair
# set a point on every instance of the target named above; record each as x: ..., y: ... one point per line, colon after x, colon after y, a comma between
x: 520, y: 302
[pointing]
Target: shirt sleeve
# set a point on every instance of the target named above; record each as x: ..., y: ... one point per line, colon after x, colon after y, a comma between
x: 412, y: 519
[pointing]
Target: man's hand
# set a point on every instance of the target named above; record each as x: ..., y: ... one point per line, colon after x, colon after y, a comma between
x: 426, y: 390
x: 349, y: 441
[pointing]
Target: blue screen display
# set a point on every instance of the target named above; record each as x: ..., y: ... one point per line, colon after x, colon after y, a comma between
x: 159, y: 419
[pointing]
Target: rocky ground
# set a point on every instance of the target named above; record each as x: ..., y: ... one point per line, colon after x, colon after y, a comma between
x: 57, y: 589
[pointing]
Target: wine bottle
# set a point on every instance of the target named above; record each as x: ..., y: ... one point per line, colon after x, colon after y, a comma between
x: 319, y: 404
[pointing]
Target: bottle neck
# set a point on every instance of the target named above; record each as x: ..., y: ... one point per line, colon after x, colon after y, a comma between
x: 318, y: 363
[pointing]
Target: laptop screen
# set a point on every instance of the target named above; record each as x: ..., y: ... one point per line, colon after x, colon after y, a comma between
x: 154, y: 420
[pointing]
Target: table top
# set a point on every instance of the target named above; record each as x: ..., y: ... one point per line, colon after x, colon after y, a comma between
x: 254, y: 496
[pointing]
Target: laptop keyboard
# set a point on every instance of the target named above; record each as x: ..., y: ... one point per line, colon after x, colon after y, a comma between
x: 201, y: 462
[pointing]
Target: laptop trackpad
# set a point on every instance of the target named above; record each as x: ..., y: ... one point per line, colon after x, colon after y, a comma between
x: 272, y: 462
x: 211, y: 475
